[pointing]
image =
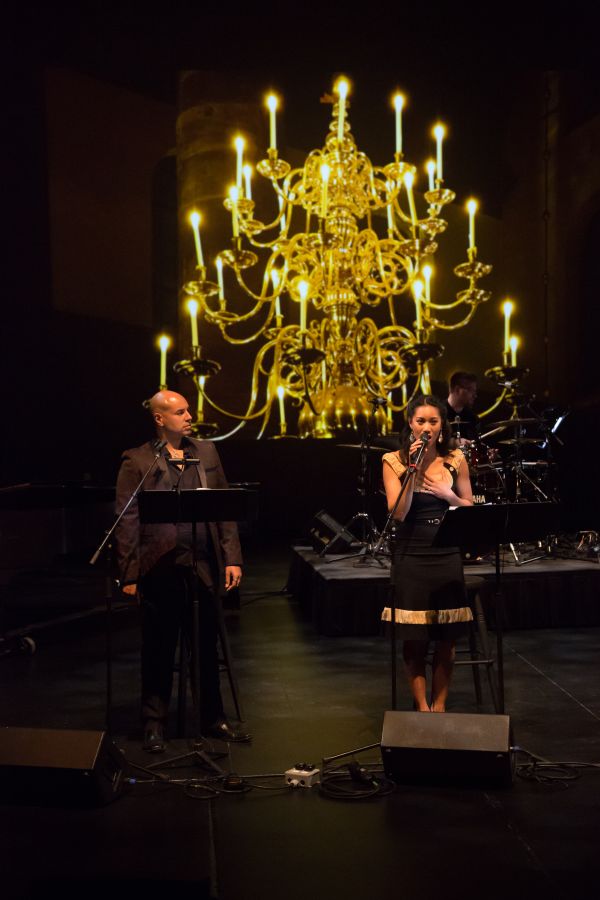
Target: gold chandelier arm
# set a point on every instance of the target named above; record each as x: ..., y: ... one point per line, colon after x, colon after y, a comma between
x: 249, y: 414
x: 494, y: 405
x: 435, y: 323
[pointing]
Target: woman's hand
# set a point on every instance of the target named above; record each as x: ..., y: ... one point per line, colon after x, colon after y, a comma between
x: 439, y: 489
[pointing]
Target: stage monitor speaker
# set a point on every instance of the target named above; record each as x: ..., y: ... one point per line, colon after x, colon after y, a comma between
x: 48, y: 767
x: 328, y: 536
x: 437, y: 747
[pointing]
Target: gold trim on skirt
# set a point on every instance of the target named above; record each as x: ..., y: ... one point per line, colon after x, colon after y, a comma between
x: 428, y: 616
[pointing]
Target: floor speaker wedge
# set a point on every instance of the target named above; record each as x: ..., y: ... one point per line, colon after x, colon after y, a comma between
x: 50, y: 767
x: 437, y: 747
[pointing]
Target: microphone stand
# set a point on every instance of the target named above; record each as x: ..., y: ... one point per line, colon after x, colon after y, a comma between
x: 408, y: 476
x: 107, y: 544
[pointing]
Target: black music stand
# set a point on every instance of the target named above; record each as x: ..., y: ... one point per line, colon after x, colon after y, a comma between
x: 483, y: 529
x: 195, y: 505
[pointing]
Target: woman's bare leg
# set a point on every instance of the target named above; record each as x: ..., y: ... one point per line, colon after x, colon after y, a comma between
x: 443, y: 662
x: 414, y: 659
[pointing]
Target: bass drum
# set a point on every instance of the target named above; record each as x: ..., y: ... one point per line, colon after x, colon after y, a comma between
x: 486, y: 472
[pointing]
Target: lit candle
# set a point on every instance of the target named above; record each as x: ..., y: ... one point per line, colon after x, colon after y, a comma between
x: 430, y: 166
x: 164, y: 343
x: 247, y: 170
x: 219, y: 265
x: 409, y: 179
x: 272, y: 104
x: 472, y: 209
x: 342, y: 92
x: 193, y: 311
x: 417, y: 294
x: 324, y: 375
x: 514, y: 343
x: 281, y: 395
x: 439, y: 131
x: 234, y: 196
x: 195, y: 220
x: 389, y: 410
x: 507, y: 308
x: 239, y: 147
x: 303, y: 291
x: 427, y: 273
x: 201, y: 383
x: 398, y: 106
x: 325, y: 173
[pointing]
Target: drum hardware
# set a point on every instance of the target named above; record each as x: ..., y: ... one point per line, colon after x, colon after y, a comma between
x: 522, y: 440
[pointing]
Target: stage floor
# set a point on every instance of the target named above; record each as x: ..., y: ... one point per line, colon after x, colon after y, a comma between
x: 307, y: 695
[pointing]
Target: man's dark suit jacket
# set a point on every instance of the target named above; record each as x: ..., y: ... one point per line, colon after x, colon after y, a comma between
x: 142, y: 547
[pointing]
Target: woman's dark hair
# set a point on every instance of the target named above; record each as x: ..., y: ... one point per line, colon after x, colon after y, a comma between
x: 425, y: 400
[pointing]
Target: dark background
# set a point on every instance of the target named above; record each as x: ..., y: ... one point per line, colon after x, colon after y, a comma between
x: 92, y: 271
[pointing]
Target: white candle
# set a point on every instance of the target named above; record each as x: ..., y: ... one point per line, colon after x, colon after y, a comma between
x: 514, y: 343
x: 507, y: 307
x: 281, y: 395
x: 417, y: 294
x: 342, y: 92
x: 408, y: 184
x: 430, y: 166
x: 272, y: 104
x: 234, y: 196
x: 324, y: 375
x: 325, y: 172
x: 239, y: 147
x: 193, y: 311
x: 427, y: 273
x: 472, y: 209
x: 219, y: 265
x: 247, y: 170
x: 398, y: 106
x: 389, y: 410
x: 164, y: 343
x: 201, y: 383
x: 195, y: 220
x: 439, y: 131
x: 303, y: 291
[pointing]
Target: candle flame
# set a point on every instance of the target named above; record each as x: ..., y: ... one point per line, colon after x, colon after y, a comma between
x: 472, y: 206
x: 272, y: 102
x: 417, y: 289
x: 239, y: 143
x: 281, y: 392
x: 195, y: 219
x: 439, y: 131
x: 513, y: 343
x: 507, y: 307
x: 234, y: 194
x: 192, y: 306
x: 275, y: 277
x: 399, y: 101
x: 342, y: 87
x: 303, y: 287
x: 409, y: 180
x: 427, y: 272
x: 164, y: 342
x: 325, y: 172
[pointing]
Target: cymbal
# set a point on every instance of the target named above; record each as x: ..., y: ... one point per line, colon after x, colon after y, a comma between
x: 460, y: 422
x: 360, y: 447
x: 517, y: 421
x: 522, y: 440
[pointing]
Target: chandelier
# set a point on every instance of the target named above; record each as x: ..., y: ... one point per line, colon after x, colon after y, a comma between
x: 345, y: 236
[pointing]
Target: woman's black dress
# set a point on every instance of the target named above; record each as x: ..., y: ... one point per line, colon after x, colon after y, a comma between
x: 429, y: 583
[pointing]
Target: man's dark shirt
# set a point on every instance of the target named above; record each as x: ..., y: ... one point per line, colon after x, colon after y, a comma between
x: 469, y: 431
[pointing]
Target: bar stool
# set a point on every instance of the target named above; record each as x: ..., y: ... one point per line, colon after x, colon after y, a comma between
x: 479, y: 644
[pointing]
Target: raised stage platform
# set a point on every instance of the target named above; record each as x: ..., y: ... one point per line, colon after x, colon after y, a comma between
x: 342, y: 598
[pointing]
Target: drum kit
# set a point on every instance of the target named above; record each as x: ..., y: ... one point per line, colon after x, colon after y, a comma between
x: 519, y: 469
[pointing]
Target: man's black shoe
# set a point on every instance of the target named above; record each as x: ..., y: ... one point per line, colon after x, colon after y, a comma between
x: 154, y: 739
x: 224, y: 731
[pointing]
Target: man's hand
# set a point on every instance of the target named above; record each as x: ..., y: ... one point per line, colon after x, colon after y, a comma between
x: 233, y: 576
x: 130, y: 590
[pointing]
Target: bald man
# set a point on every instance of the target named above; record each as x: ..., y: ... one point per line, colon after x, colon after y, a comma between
x: 155, y: 561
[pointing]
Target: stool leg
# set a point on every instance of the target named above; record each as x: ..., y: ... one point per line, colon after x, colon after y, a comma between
x: 475, y: 668
x: 485, y: 646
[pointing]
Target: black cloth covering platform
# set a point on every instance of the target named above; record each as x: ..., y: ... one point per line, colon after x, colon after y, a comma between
x: 342, y: 599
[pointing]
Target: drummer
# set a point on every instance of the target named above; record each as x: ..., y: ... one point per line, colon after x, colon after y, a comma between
x: 459, y: 407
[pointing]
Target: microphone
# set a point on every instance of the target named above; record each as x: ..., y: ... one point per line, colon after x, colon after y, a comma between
x: 424, y: 438
x: 377, y: 401
x: 158, y: 446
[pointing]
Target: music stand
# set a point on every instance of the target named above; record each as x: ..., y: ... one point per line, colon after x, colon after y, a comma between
x: 485, y: 528
x: 194, y: 506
